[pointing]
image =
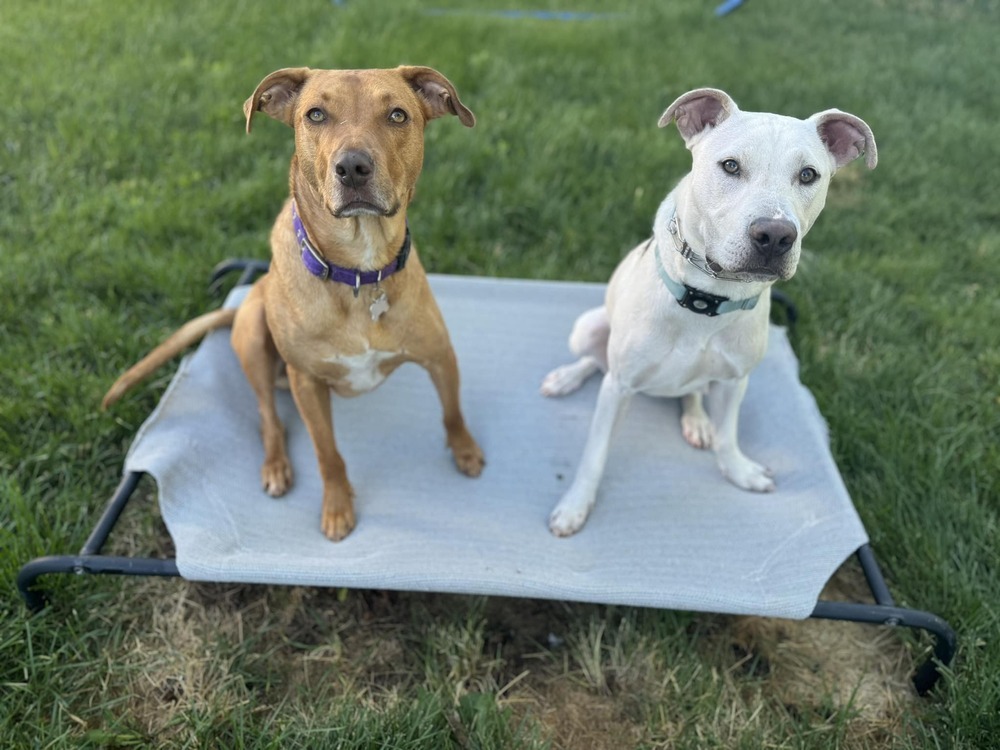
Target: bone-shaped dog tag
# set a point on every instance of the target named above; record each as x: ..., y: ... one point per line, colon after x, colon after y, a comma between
x: 378, y: 306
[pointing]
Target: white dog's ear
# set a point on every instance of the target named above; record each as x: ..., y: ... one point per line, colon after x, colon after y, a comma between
x: 697, y: 110
x: 846, y: 137
x: 276, y: 95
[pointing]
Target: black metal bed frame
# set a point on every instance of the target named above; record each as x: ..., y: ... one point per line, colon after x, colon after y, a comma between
x: 90, y: 561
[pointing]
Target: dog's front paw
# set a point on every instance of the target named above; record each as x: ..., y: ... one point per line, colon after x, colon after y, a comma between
x: 337, y: 519
x: 468, y: 455
x: 569, y: 516
x: 566, y: 522
x: 747, y: 474
x: 337, y: 524
x: 276, y: 476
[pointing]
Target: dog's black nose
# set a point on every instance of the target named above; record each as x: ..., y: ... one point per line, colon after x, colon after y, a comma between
x: 773, y: 237
x: 354, y: 168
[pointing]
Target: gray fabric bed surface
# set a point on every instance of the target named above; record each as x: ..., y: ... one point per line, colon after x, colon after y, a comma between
x: 667, y: 531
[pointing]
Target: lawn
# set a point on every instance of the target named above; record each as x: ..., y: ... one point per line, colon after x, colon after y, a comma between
x: 125, y: 175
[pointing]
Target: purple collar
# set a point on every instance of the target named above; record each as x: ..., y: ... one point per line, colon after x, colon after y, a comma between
x: 353, y: 277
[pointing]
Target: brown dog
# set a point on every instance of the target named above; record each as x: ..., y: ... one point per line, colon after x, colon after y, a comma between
x: 345, y: 301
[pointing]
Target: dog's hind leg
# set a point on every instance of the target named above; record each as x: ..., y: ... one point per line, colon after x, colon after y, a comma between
x: 253, y: 344
x: 589, y: 342
x: 568, y: 378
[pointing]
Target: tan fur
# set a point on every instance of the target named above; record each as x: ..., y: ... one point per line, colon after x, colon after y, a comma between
x: 319, y: 328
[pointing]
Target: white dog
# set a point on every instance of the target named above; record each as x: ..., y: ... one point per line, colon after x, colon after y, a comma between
x: 686, y: 312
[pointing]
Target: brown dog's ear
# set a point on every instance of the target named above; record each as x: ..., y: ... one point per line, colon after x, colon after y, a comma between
x: 846, y: 137
x: 437, y: 94
x: 276, y: 95
x: 697, y: 110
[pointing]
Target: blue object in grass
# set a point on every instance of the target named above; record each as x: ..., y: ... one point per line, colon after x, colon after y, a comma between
x: 540, y: 15
x: 728, y: 6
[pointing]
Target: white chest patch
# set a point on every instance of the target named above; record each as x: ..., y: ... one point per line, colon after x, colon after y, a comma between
x: 363, y: 373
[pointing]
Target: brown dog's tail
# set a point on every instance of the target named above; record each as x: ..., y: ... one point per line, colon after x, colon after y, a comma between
x: 188, y: 334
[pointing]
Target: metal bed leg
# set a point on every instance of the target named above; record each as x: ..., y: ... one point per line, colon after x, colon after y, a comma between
x: 90, y: 560
x: 791, y: 311
x: 249, y: 270
x: 873, y: 574
x: 82, y: 565
x: 885, y: 612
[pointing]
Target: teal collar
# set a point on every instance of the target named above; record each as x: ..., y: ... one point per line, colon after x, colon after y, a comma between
x: 697, y: 301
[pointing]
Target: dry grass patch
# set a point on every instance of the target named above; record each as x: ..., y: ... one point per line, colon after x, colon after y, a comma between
x: 840, y: 677
x: 582, y: 675
x: 175, y: 666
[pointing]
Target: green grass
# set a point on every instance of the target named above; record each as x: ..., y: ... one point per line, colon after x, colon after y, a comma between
x: 125, y: 175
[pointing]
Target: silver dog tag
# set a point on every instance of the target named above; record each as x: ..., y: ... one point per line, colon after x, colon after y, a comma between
x: 378, y: 306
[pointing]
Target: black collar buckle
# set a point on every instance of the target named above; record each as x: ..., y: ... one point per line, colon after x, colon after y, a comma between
x: 701, y: 302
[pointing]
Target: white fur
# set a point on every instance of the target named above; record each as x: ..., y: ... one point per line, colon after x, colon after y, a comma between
x: 363, y: 373
x: 644, y: 341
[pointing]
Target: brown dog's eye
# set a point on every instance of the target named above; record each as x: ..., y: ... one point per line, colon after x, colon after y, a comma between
x: 398, y: 116
x: 731, y: 166
x: 807, y: 175
x: 316, y: 115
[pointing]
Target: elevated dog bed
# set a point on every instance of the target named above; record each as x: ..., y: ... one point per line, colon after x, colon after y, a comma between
x: 668, y: 531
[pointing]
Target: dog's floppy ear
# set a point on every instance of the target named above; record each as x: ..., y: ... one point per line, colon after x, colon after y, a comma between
x: 697, y: 110
x: 276, y: 95
x: 437, y: 94
x: 846, y: 137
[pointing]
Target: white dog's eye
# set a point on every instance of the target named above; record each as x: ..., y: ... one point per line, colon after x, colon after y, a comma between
x: 731, y: 166
x: 316, y: 115
x: 807, y: 175
x: 398, y: 116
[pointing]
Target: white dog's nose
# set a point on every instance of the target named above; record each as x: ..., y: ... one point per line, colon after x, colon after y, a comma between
x: 773, y: 238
